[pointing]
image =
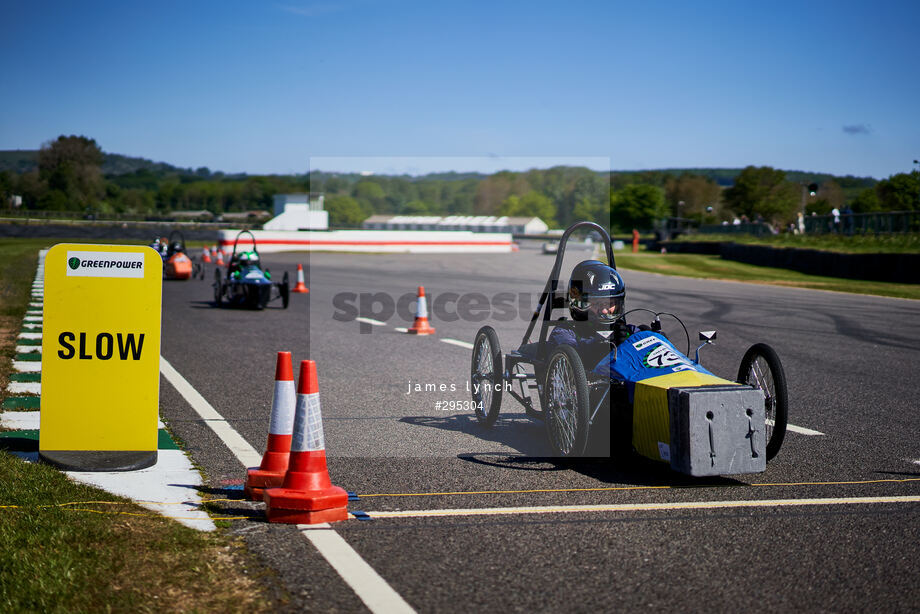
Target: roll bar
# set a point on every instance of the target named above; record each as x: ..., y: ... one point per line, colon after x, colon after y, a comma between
x: 237, y: 240
x: 553, y: 282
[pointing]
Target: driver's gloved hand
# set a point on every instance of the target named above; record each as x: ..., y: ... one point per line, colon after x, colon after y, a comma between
x: 620, y: 331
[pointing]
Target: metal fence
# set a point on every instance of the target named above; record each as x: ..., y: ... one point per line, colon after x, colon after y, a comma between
x: 756, y: 229
x: 38, y: 216
x: 889, y: 222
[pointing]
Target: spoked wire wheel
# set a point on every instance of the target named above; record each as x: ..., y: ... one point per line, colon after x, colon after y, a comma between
x: 566, y: 402
x: 762, y: 369
x: 486, y: 376
x: 218, y: 288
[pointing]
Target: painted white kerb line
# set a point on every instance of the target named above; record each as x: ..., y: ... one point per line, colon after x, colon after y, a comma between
x: 241, y: 449
x: 367, y: 584
x: 373, y: 590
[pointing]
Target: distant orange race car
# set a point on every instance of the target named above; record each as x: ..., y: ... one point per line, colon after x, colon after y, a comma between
x: 176, y: 262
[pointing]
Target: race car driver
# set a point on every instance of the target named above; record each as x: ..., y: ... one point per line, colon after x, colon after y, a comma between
x: 596, y: 298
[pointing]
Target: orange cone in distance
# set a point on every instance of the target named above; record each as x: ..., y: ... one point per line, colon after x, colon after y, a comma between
x: 421, y: 325
x: 220, y: 257
x: 271, y: 472
x: 205, y: 256
x: 307, y: 496
x: 301, y: 286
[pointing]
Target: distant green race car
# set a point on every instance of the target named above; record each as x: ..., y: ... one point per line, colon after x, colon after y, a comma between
x: 245, y: 283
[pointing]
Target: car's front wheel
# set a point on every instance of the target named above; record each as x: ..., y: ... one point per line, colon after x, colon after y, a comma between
x: 762, y: 369
x: 486, y: 376
x: 567, y: 406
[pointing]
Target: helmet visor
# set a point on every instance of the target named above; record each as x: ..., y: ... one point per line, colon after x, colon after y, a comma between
x: 605, y: 308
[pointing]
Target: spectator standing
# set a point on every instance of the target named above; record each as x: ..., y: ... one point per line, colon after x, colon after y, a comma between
x: 847, y: 214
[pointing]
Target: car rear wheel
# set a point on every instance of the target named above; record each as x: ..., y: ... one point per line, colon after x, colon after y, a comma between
x: 218, y: 288
x: 285, y: 290
x: 486, y: 376
x: 762, y: 369
x: 567, y: 406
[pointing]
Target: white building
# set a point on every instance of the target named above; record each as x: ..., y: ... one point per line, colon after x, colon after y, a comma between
x: 474, y: 223
x: 298, y: 212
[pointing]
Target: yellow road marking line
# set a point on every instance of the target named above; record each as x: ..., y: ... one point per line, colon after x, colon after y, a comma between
x: 617, y: 488
x: 638, y: 507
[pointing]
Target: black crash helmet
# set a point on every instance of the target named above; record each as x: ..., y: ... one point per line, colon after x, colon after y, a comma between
x: 596, y: 292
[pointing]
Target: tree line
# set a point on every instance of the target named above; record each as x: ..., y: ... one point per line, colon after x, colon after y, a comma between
x: 68, y: 177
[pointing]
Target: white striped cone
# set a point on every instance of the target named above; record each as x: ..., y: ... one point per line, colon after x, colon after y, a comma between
x: 301, y: 286
x: 281, y: 427
x: 421, y: 325
x: 307, y: 496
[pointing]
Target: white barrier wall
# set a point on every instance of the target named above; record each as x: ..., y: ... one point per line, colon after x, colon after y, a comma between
x: 393, y: 241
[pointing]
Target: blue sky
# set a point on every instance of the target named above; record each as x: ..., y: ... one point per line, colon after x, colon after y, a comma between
x: 263, y: 87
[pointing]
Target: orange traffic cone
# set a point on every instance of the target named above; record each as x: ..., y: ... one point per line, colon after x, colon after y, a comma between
x: 205, y: 255
x: 421, y: 326
x: 301, y: 286
x: 220, y: 257
x: 307, y: 496
x: 275, y: 461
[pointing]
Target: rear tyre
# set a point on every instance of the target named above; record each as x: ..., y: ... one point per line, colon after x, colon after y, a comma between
x: 762, y: 369
x: 285, y: 290
x: 218, y: 289
x: 486, y: 376
x: 567, y: 405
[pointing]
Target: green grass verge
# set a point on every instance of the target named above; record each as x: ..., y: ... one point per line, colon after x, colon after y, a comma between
x: 112, y: 556
x: 105, y: 554
x: 857, y: 244
x: 714, y: 267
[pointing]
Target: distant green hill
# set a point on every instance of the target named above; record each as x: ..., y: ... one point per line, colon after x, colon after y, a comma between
x: 24, y: 160
x: 18, y: 160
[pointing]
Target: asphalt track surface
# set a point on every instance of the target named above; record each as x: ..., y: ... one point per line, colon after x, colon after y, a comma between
x: 852, y: 368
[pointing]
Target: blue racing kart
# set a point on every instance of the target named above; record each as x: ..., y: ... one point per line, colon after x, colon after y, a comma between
x: 245, y: 283
x: 656, y: 400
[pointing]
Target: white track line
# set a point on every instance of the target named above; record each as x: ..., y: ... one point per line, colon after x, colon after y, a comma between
x: 373, y: 590
x: 640, y: 507
x: 797, y: 429
x: 802, y: 430
x: 367, y: 584
x: 371, y: 321
x: 462, y: 344
x: 233, y: 440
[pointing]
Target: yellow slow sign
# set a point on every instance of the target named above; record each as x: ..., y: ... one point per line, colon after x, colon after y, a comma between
x: 100, y: 357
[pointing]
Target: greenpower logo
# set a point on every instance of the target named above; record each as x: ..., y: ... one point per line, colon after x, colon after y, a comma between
x: 105, y: 264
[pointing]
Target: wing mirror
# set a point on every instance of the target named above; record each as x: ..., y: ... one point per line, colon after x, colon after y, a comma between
x: 707, y: 337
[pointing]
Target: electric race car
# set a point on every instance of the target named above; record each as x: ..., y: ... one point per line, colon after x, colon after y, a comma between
x: 655, y: 399
x: 245, y: 283
x: 176, y: 262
